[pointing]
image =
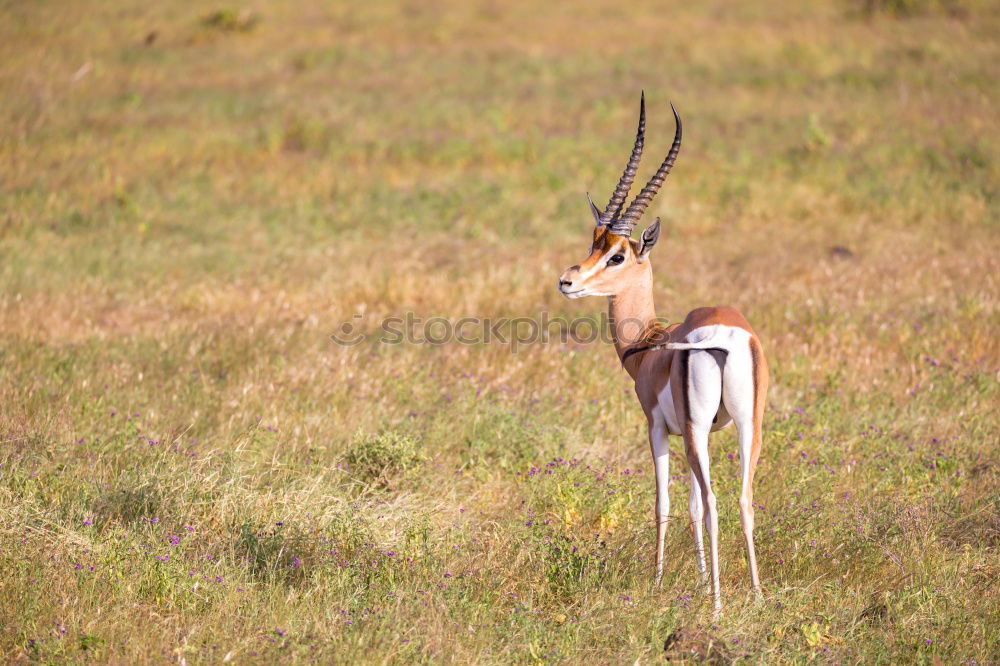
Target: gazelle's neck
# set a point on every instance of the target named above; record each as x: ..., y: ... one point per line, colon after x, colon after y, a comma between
x: 631, y: 312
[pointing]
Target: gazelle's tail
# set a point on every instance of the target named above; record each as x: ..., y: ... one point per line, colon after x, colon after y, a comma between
x: 718, y: 342
x: 725, y: 339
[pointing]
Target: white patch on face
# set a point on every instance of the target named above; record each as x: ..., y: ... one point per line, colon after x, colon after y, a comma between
x: 589, y: 273
x: 601, y: 263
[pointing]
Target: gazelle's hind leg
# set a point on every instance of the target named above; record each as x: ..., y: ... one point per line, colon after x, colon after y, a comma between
x: 703, y: 383
x: 697, y: 512
x: 744, y: 389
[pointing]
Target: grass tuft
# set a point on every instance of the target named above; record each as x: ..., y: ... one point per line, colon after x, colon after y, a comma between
x: 382, y: 460
x: 231, y: 20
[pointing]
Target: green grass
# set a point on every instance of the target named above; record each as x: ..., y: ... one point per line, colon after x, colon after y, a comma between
x: 193, y: 198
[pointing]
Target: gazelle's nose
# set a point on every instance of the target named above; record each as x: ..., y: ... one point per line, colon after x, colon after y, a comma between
x: 566, y: 279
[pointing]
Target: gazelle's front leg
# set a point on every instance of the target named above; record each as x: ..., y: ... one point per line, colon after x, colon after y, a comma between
x: 659, y: 444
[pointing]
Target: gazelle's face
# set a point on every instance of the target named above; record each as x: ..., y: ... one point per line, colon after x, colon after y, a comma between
x: 616, y: 261
x: 613, y: 262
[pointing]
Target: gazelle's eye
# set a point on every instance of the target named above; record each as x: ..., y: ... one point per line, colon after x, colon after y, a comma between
x: 615, y: 260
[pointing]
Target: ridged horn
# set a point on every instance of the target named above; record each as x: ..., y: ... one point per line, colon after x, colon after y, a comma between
x: 628, y: 176
x: 624, y: 224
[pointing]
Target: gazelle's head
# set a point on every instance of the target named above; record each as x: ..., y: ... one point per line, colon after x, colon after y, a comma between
x: 617, y: 260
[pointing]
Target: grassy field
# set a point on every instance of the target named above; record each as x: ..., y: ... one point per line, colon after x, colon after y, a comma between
x: 193, y: 198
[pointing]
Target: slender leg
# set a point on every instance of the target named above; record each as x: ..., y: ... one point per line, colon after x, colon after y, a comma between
x: 711, y: 510
x: 659, y: 443
x: 702, y: 398
x: 697, y: 512
x: 747, y: 463
x: 742, y: 388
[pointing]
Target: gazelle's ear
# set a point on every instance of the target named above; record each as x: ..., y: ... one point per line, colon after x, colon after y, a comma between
x: 649, y: 238
x: 594, y: 211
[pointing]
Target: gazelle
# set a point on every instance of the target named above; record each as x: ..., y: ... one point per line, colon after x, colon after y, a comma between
x: 691, y: 378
